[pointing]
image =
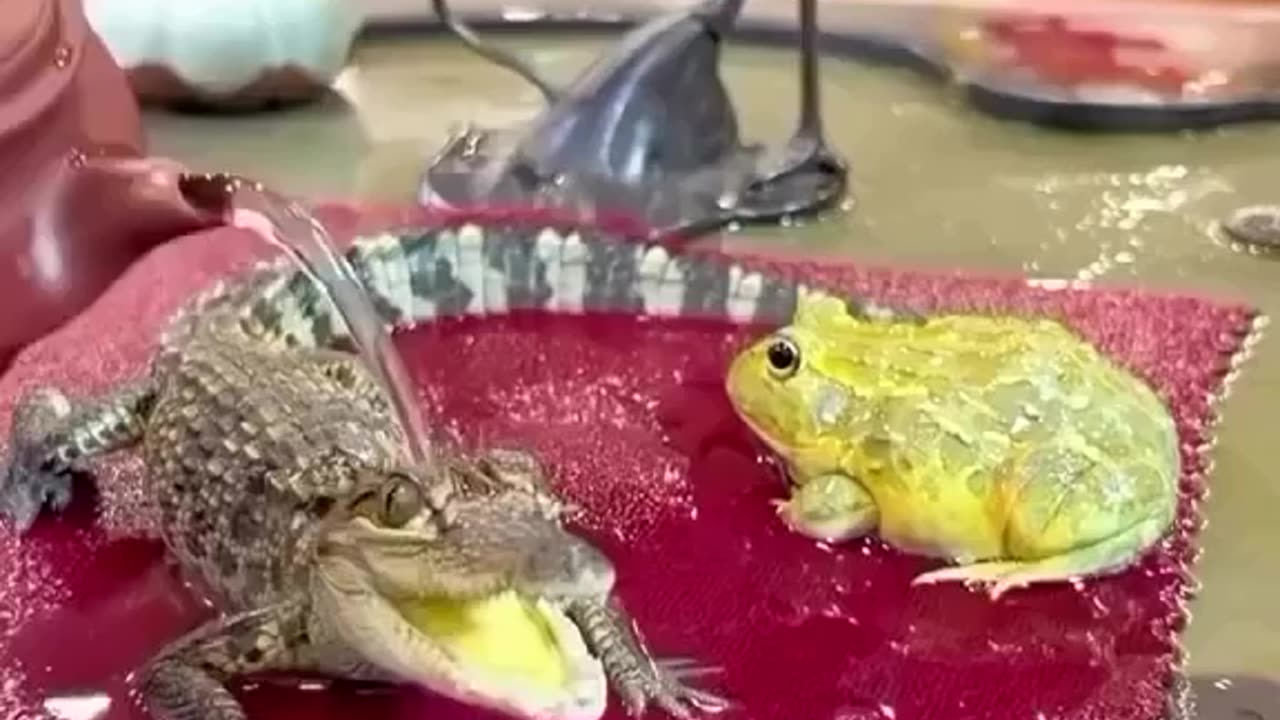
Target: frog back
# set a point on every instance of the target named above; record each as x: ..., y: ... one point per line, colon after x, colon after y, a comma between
x: 972, y: 397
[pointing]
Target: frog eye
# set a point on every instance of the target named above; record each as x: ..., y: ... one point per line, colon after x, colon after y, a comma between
x: 401, y: 501
x: 783, y: 357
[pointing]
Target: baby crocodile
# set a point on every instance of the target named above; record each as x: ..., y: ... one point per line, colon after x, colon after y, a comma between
x: 1010, y: 445
x: 282, y: 483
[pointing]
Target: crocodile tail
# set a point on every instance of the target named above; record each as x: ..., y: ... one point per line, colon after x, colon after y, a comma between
x: 222, y: 301
x: 416, y: 277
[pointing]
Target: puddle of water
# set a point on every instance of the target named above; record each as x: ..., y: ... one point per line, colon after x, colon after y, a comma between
x: 1236, y: 697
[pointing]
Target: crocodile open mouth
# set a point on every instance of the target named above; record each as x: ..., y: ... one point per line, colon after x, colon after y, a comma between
x: 517, y: 654
x: 505, y: 651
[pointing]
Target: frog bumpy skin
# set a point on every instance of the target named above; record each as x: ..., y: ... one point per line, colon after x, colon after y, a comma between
x: 1008, y: 445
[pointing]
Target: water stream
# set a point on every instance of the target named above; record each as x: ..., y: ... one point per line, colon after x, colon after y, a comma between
x: 290, y: 226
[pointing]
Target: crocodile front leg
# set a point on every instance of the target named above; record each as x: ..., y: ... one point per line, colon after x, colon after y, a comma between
x: 636, y: 675
x: 187, y: 680
x: 50, y: 440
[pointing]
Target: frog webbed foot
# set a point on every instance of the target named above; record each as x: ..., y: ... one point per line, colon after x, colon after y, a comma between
x: 1001, y: 576
x: 1111, y: 554
x: 830, y: 508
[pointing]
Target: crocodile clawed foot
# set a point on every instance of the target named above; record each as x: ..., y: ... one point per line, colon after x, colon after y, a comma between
x: 28, y: 484
x: 663, y: 684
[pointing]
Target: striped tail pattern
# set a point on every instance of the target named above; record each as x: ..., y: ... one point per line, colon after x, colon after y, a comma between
x: 414, y: 277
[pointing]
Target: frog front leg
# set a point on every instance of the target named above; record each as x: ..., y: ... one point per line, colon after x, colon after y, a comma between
x: 830, y: 508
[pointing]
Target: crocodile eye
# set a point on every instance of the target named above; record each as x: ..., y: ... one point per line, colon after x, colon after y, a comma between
x: 401, y: 501
x: 784, y: 358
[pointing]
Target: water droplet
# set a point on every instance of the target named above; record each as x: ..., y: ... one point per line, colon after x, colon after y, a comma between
x: 312, y: 685
x: 76, y: 158
x: 1124, y: 257
x: 1223, y: 683
x: 78, y: 707
x: 517, y: 14
x: 888, y: 711
x: 62, y: 56
x: 1101, y: 608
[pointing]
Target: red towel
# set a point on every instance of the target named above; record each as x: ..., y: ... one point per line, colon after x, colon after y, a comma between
x: 632, y: 419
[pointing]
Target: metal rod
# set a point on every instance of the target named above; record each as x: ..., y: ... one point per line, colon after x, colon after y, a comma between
x: 810, y: 99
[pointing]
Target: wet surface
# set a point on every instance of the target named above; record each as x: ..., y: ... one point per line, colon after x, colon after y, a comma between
x: 1236, y: 698
x: 631, y: 418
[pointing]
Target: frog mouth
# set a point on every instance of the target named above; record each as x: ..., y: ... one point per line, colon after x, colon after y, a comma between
x: 765, y: 436
x: 769, y: 438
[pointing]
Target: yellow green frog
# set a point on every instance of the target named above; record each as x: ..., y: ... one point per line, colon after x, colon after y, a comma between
x: 1007, y: 445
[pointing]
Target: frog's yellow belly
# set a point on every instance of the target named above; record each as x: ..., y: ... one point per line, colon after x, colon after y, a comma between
x: 952, y: 523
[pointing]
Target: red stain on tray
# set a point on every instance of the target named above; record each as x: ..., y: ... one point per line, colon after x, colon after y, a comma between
x: 1070, y: 56
x: 631, y: 417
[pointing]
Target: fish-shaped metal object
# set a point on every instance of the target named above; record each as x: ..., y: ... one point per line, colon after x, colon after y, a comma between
x: 648, y: 130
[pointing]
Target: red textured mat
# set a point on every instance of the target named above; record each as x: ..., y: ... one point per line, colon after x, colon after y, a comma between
x: 632, y: 420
